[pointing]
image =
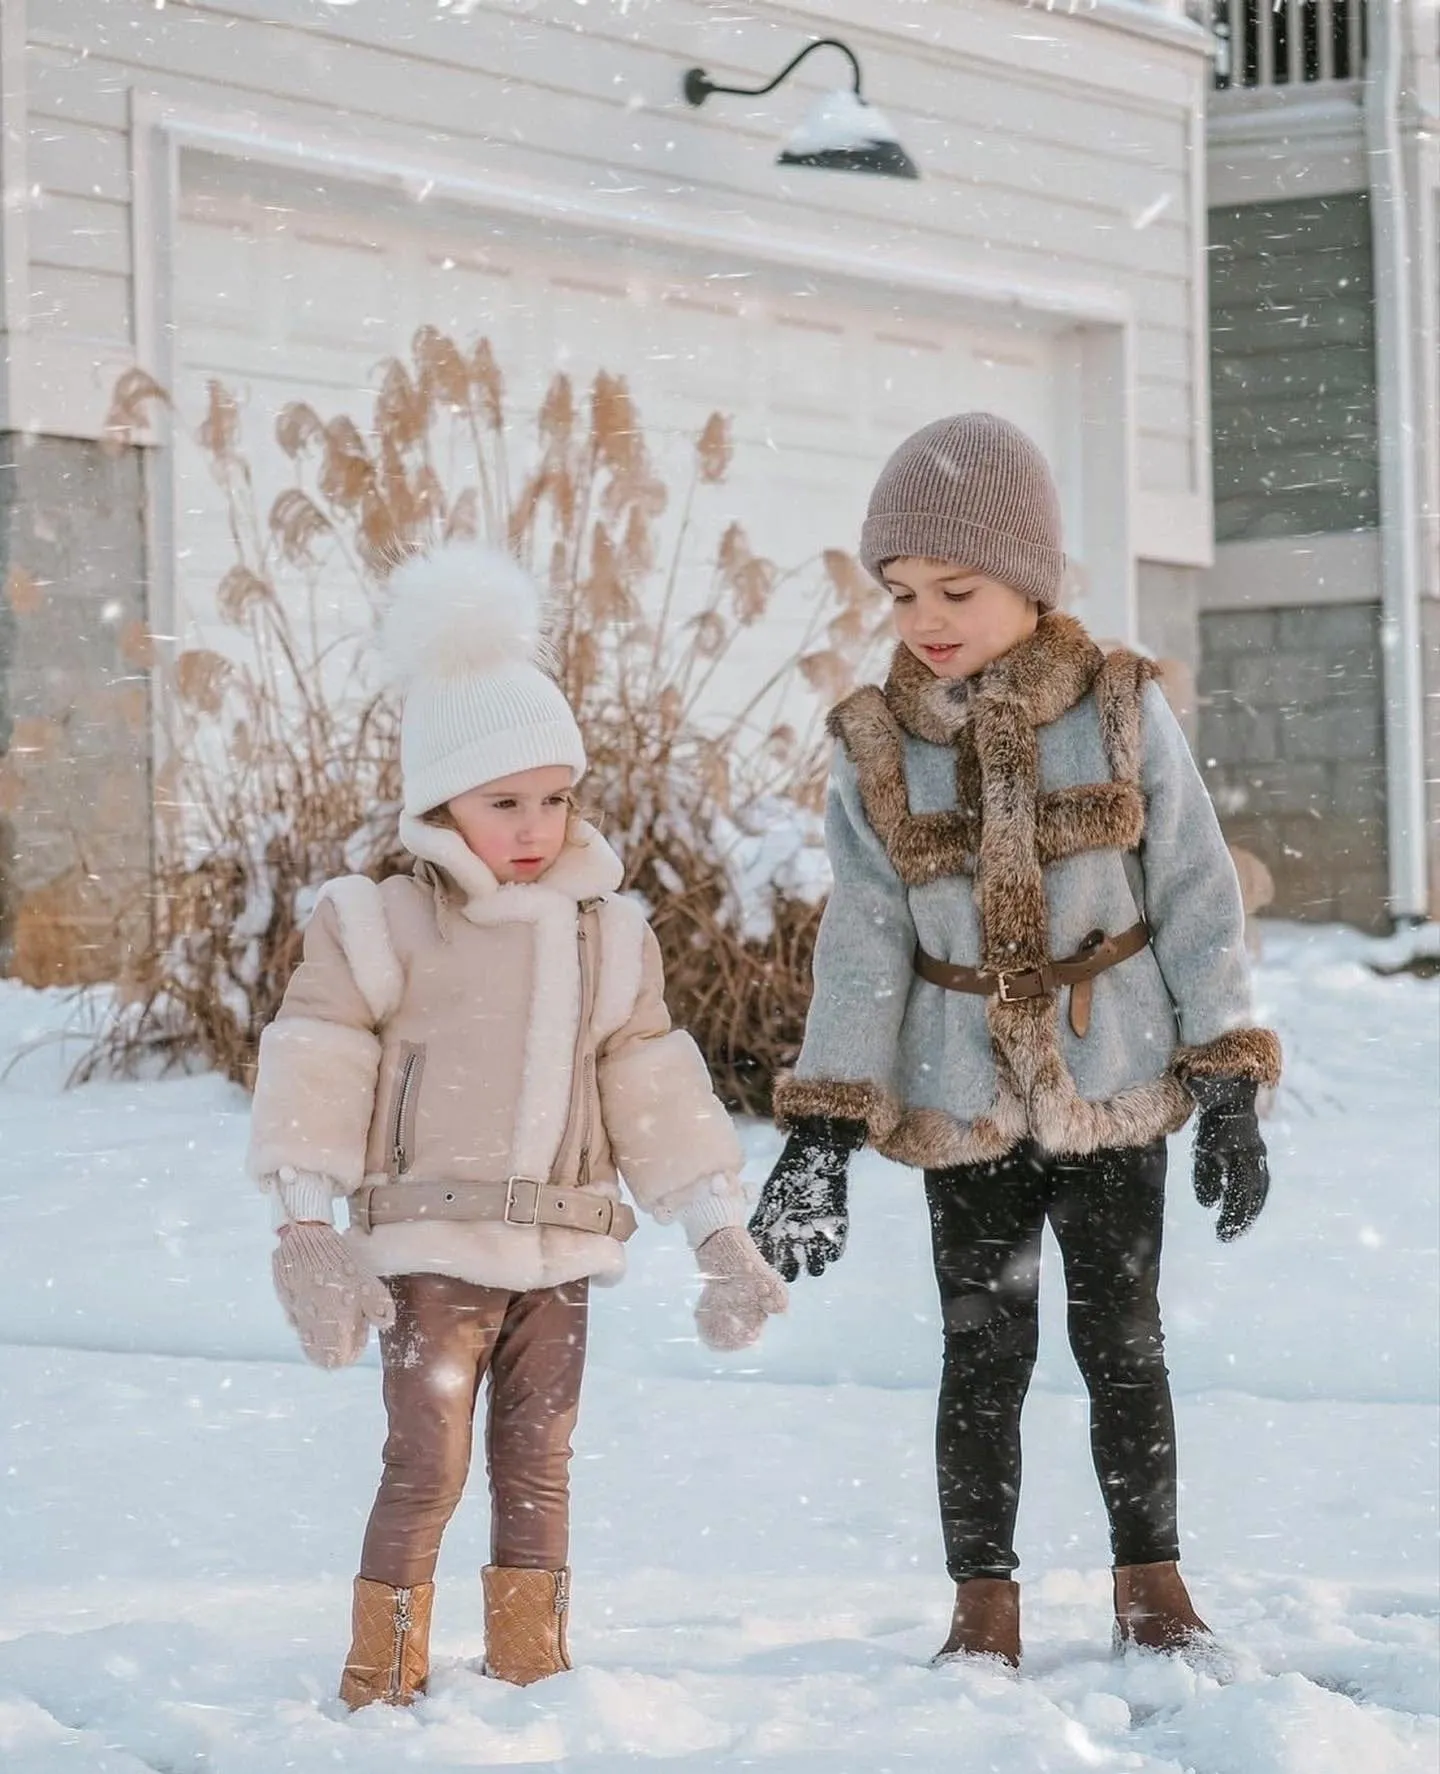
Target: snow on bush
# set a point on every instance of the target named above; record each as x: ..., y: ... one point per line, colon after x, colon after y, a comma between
x: 281, y: 764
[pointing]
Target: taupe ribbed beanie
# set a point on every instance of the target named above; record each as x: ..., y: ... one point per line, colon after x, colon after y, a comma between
x: 974, y: 489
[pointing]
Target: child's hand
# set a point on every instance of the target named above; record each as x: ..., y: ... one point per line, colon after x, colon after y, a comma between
x: 328, y: 1297
x: 1231, y: 1167
x: 803, y: 1213
x: 740, y: 1291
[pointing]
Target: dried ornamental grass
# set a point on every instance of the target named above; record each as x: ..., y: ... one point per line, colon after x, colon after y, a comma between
x: 275, y: 780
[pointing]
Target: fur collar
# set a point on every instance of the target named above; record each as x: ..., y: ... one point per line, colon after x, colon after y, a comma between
x: 989, y: 724
x: 1041, y: 677
x: 586, y: 870
x: 1005, y: 829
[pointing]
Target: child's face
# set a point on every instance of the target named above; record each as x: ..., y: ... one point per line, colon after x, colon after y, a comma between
x: 516, y: 824
x: 954, y: 619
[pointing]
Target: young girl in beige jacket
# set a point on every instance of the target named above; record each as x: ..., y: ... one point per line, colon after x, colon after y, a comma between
x: 473, y: 1055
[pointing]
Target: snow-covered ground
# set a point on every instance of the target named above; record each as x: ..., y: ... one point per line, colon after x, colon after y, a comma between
x: 758, y: 1580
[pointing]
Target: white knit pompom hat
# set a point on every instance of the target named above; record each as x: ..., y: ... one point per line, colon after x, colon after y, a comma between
x: 463, y: 641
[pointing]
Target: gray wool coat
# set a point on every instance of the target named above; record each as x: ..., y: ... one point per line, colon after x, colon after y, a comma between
x: 995, y: 823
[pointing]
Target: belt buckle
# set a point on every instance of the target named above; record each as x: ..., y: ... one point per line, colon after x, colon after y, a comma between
x: 509, y: 1214
x: 1002, y: 987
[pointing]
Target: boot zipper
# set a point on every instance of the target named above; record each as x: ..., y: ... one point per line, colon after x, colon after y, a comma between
x: 562, y: 1592
x: 403, y: 1623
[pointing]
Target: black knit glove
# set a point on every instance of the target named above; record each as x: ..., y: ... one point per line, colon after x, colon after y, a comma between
x: 1230, y: 1162
x: 802, y: 1215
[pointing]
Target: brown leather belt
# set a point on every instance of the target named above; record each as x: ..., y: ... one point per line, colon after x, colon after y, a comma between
x: 521, y: 1201
x: 1094, y: 955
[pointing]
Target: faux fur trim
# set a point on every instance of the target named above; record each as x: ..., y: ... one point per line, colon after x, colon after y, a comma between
x: 1044, y: 675
x: 930, y: 707
x: 993, y: 728
x: 365, y: 939
x: 835, y: 1099
x: 1239, y: 1053
x: 667, y: 1129
x: 585, y: 869
x: 991, y: 717
x: 1120, y: 700
x: 622, y: 965
x: 485, y: 1253
x: 314, y: 1100
x: 443, y: 845
x: 1062, y: 1121
x: 929, y: 1139
x: 1089, y: 816
x: 1059, y: 1120
x: 552, y: 1020
x: 921, y: 846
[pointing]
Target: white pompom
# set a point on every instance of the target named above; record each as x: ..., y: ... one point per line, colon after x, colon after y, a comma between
x: 465, y: 609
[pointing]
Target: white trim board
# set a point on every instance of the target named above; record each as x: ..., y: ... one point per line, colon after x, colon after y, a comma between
x: 1264, y: 147
x: 1285, y: 572
x: 351, y: 158
x: 14, y: 225
x: 1099, y: 318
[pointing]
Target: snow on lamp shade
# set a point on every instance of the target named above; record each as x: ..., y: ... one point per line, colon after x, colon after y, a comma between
x: 842, y: 132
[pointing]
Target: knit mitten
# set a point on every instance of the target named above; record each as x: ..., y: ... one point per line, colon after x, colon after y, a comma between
x: 328, y: 1297
x: 740, y: 1292
x: 1230, y: 1162
x: 803, y: 1213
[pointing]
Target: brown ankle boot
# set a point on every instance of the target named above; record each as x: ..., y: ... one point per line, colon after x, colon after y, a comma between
x: 525, y: 1614
x: 389, y: 1645
x: 986, y: 1621
x: 1153, y: 1610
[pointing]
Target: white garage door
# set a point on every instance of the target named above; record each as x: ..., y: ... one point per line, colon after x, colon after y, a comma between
x: 285, y: 293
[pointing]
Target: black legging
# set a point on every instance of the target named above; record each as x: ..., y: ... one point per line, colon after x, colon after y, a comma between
x: 986, y: 1222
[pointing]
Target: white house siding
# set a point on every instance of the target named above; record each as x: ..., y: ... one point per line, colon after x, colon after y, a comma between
x: 1049, y: 262
x: 1053, y: 148
x: 282, y: 297
x: 1313, y: 758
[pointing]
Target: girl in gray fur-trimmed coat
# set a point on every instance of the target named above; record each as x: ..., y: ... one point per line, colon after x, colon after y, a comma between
x: 1030, y: 971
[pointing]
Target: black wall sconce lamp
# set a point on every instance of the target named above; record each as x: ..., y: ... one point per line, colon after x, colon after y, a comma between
x: 841, y: 131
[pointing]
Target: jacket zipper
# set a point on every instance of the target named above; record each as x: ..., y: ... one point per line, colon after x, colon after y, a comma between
x: 399, y: 1153
x: 584, y: 1061
x: 584, y: 1166
x: 403, y: 1622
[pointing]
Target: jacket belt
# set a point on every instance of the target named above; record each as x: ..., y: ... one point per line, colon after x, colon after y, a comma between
x: 520, y: 1201
x: 1094, y: 955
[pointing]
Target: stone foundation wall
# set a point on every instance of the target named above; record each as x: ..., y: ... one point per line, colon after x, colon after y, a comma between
x: 75, y: 720
x: 1291, y: 741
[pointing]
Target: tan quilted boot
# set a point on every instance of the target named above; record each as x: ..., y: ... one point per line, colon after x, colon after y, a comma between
x: 986, y: 1621
x: 390, y: 1644
x: 1153, y: 1610
x: 525, y: 1623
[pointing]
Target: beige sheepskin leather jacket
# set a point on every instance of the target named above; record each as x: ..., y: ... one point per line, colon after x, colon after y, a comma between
x: 430, y: 1033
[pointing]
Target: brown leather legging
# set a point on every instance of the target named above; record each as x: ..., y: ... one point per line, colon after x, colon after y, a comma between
x: 447, y: 1336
